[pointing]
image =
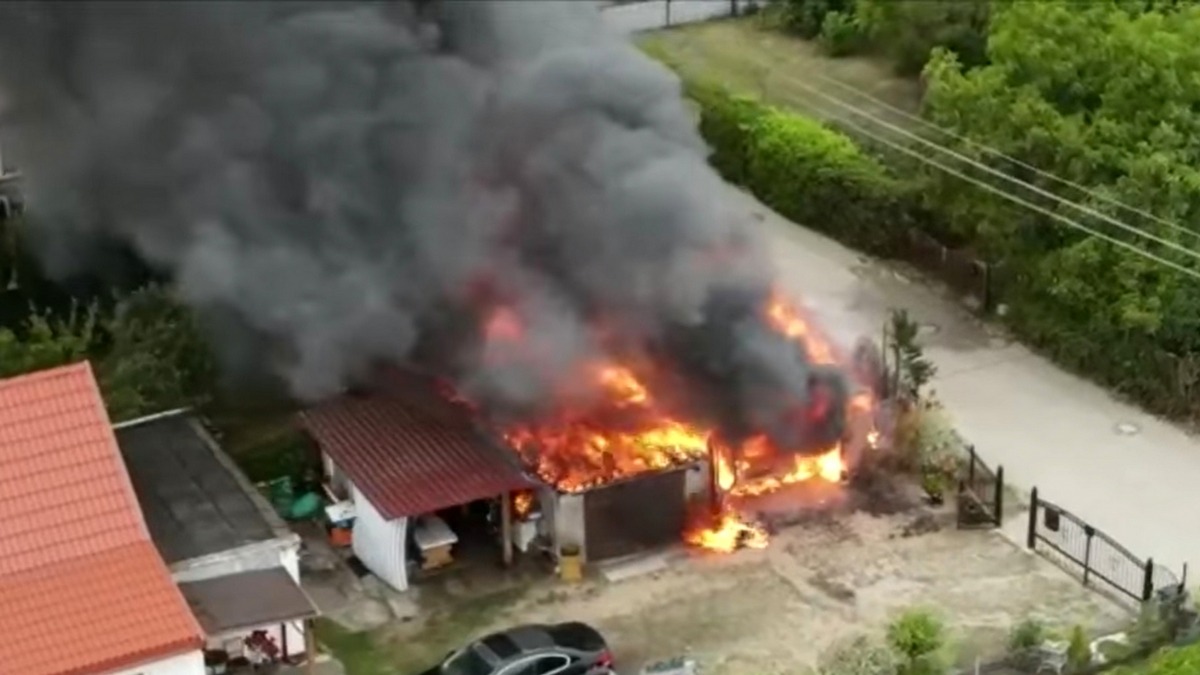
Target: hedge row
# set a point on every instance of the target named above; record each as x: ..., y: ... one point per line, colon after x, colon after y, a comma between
x: 804, y: 170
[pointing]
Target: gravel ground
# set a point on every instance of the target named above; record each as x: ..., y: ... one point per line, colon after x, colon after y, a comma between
x: 760, y: 612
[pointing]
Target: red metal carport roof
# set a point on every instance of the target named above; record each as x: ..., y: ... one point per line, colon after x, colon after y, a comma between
x: 411, y: 451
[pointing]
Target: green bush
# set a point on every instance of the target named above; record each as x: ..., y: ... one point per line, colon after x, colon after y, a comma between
x: 919, y: 638
x: 1027, y: 635
x: 841, y: 34
x: 1079, y: 651
x: 1171, y: 661
x: 727, y: 122
x: 806, y: 171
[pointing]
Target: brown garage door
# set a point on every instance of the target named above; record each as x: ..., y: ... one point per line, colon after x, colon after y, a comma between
x: 634, y: 515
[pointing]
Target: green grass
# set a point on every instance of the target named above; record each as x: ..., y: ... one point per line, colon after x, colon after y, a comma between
x: 358, y: 652
x: 386, y: 651
x: 747, y: 58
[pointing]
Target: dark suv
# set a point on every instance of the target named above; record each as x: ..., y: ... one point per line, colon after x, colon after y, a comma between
x: 559, y: 649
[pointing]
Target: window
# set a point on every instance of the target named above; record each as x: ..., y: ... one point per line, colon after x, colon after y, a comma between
x: 545, y: 664
x: 501, y: 645
x: 466, y: 662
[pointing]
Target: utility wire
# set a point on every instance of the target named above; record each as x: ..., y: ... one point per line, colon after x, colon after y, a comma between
x: 991, y: 170
x: 900, y: 147
x: 1095, y: 194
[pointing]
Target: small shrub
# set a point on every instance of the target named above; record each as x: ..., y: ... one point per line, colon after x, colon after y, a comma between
x: 1079, y: 651
x: 858, y: 656
x: 840, y: 34
x: 918, y: 638
x: 1149, y: 631
x: 913, y: 369
x: 925, y: 440
x: 1027, y: 635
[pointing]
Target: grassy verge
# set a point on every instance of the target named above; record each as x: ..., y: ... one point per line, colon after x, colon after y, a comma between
x: 388, y: 651
x: 779, y: 69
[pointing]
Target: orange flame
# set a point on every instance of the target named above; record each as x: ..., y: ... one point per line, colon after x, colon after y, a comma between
x: 631, y: 433
x: 728, y: 534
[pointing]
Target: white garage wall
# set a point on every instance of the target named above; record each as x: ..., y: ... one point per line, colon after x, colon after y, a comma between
x: 379, y: 543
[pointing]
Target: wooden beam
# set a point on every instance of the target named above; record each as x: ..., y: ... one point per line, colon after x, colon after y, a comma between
x: 506, y: 540
x: 310, y: 647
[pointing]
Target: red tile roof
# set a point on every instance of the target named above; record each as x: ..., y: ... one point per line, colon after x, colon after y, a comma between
x: 81, y: 584
x: 411, y: 451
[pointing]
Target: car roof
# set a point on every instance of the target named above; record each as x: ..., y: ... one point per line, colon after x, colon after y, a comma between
x: 530, y: 638
x: 497, y: 648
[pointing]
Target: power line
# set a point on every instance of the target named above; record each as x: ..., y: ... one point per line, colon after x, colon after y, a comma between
x: 1009, y: 158
x: 1023, y: 202
x: 993, y: 171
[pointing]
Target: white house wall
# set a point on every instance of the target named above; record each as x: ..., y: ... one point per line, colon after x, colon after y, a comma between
x: 379, y: 543
x: 264, y: 555
x: 190, y: 663
x: 569, y: 523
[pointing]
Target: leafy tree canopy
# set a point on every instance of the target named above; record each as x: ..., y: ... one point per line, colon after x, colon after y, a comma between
x: 146, y: 349
x: 1103, y: 94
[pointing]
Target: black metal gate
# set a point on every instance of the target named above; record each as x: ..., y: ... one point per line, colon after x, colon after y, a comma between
x: 980, y: 494
x: 635, y: 514
x: 1070, y: 540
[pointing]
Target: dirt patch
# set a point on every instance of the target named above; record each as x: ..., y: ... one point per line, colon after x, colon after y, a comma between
x: 782, y: 70
x: 824, y: 580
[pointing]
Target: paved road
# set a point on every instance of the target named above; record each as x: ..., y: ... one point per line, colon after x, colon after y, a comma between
x: 1046, y: 427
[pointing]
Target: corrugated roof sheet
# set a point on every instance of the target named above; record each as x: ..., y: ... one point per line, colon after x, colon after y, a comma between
x: 82, y: 587
x: 409, y: 450
x: 247, y: 600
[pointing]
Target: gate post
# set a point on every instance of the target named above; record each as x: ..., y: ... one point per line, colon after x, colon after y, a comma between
x: 999, y: 496
x: 1148, y: 581
x: 1031, y: 538
x: 971, y: 467
x: 1090, y: 532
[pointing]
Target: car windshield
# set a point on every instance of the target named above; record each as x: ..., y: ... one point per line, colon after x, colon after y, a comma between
x: 466, y: 662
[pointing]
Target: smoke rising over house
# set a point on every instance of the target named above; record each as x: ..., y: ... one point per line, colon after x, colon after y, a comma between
x: 504, y: 192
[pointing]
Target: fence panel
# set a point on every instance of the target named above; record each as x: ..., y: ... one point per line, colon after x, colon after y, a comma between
x: 980, y: 493
x: 1098, y: 557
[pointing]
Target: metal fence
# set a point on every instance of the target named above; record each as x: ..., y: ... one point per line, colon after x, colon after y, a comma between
x: 959, y: 269
x: 980, y: 493
x: 1099, y: 558
x: 635, y: 16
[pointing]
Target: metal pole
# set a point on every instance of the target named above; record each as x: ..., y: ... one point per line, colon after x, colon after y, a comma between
x: 1148, y: 581
x: 999, y: 496
x: 1087, y: 553
x: 1031, y: 538
x: 971, y: 466
x: 506, y: 537
x: 668, y: 4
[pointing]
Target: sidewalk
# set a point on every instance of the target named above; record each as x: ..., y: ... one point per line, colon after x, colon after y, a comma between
x: 1048, y: 428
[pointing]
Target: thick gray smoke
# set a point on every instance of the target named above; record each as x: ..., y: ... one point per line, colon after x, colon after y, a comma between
x: 354, y: 180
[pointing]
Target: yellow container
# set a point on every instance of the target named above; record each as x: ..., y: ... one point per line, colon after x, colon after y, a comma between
x: 570, y: 564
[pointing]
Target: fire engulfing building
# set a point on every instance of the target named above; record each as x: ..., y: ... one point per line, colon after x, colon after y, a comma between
x: 410, y: 463
x: 425, y: 481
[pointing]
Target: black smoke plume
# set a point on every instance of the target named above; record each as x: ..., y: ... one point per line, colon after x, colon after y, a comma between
x: 349, y: 179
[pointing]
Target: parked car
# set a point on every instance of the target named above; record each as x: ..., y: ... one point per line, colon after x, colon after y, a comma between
x: 560, y: 649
